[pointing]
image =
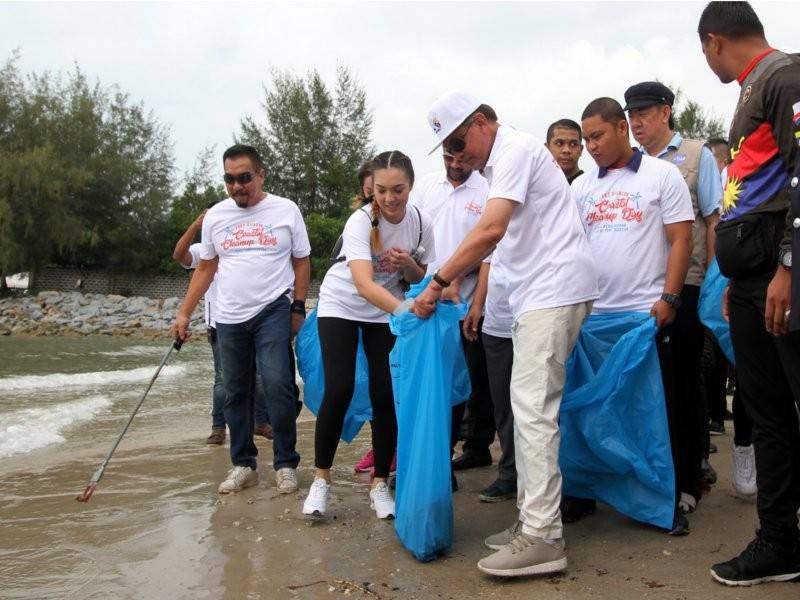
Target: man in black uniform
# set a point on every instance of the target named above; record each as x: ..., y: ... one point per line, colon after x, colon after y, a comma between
x: 754, y: 243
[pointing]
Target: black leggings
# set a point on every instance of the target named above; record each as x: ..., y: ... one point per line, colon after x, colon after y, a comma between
x: 339, y: 342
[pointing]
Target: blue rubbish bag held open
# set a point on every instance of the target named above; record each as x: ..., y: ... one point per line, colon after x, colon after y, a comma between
x: 429, y: 376
x: 709, y: 307
x: 615, y: 443
x: 309, y: 364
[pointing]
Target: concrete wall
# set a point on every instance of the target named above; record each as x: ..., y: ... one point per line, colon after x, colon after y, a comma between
x: 124, y: 284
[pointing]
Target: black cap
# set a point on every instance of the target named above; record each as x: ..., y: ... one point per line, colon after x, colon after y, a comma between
x: 648, y: 93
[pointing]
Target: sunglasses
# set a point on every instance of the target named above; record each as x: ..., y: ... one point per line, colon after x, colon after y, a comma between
x: 241, y: 179
x: 457, y: 144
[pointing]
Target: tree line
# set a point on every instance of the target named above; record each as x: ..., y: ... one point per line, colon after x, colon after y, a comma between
x: 88, y: 176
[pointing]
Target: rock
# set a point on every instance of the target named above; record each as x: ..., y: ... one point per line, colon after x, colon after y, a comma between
x: 51, y: 297
x: 114, y: 299
x: 171, y: 304
x: 137, y: 304
x: 89, y: 310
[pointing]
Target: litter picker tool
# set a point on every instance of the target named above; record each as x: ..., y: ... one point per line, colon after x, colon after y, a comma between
x: 87, y: 493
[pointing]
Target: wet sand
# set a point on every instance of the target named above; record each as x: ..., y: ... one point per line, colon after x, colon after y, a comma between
x: 156, y: 528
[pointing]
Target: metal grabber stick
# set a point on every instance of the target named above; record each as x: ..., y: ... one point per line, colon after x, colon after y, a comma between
x: 87, y: 493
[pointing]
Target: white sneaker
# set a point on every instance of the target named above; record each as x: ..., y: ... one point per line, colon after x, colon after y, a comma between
x: 316, y: 504
x: 286, y: 480
x: 381, y: 501
x: 238, y: 478
x: 744, y: 470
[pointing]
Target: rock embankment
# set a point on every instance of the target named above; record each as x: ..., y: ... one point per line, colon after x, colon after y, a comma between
x: 57, y: 313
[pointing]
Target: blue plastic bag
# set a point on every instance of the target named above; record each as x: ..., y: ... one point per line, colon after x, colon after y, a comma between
x: 615, y: 443
x: 428, y: 378
x: 309, y: 364
x: 709, y: 307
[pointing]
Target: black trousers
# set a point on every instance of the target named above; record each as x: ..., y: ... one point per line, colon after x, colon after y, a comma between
x: 715, y: 378
x: 480, y: 417
x: 768, y: 379
x: 499, y: 363
x: 686, y: 405
x: 742, y: 423
x: 339, y: 343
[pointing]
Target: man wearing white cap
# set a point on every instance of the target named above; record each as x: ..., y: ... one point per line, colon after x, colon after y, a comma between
x: 552, y: 282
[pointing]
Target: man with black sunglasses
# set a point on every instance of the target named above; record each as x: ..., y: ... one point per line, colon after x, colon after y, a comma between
x: 257, y: 246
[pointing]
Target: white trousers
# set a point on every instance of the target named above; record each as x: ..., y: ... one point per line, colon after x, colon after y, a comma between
x: 543, y: 341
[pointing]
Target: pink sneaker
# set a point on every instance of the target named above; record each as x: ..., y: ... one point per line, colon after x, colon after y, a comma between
x: 366, y: 464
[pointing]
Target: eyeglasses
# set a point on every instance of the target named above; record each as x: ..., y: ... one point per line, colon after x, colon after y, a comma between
x: 241, y: 179
x: 457, y: 144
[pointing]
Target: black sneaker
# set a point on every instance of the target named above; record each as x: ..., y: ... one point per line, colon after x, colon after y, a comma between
x: 761, y: 561
x: 680, y: 526
x: 716, y: 428
x: 500, y: 490
x: 574, y: 509
x: 470, y: 460
x: 709, y: 475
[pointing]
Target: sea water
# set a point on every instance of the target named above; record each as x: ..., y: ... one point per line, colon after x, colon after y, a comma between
x: 56, y: 390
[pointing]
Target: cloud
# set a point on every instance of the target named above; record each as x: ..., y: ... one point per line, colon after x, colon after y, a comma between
x: 201, y: 66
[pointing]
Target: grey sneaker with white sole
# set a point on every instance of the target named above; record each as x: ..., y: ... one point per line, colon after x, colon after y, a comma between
x: 498, y: 540
x: 526, y: 555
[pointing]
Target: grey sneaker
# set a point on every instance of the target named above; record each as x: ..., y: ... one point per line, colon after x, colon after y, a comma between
x: 526, y: 555
x: 498, y: 540
x: 238, y: 478
x: 286, y: 480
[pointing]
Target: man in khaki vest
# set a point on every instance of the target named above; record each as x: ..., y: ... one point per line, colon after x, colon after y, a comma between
x: 649, y: 107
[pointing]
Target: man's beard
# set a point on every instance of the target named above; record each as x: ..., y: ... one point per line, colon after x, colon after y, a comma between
x: 458, y: 175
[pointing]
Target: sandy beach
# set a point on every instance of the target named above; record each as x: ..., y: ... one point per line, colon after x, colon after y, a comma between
x: 156, y: 527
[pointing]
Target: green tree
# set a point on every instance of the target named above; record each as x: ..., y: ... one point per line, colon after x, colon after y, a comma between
x: 122, y: 153
x: 313, y: 141
x: 36, y: 220
x: 692, y: 121
x: 200, y: 190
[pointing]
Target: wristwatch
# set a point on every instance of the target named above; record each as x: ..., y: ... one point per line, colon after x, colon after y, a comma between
x: 442, y: 282
x: 298, y: 307
x: 674, y: 300
x: 785, y: 259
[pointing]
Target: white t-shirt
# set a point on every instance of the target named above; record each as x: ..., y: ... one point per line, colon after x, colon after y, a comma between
x: 338, y: 296
x: 545, y: 253
x: 624, y: 213
x: 255, y: 246
x: 454, y: 211
x: 497, y: 316
x: 210, y: 299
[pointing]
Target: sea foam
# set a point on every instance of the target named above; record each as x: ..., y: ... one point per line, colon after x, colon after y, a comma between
x: 91, y: 379
x: 31, y: 428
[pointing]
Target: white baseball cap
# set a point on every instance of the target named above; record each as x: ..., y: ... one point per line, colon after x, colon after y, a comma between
x: 448, y: 112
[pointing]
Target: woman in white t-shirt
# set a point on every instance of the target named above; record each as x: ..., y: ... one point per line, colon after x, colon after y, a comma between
x: 382, y: 244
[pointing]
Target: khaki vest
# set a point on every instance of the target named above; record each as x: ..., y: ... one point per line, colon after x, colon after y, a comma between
x: 687, y: 158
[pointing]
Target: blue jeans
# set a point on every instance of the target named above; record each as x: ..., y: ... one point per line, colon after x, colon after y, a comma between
x: 262, y: 341
x: 218, y: 391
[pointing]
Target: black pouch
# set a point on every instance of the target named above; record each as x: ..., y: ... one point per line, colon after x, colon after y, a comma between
x: 747, y: 246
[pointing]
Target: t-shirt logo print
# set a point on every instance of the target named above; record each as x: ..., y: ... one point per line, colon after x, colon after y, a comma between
x: 614, y: 210
x: 472, y: 208
x: 249, y: 236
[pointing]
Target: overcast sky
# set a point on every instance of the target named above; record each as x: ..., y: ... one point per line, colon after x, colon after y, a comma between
x: 201, y: 67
